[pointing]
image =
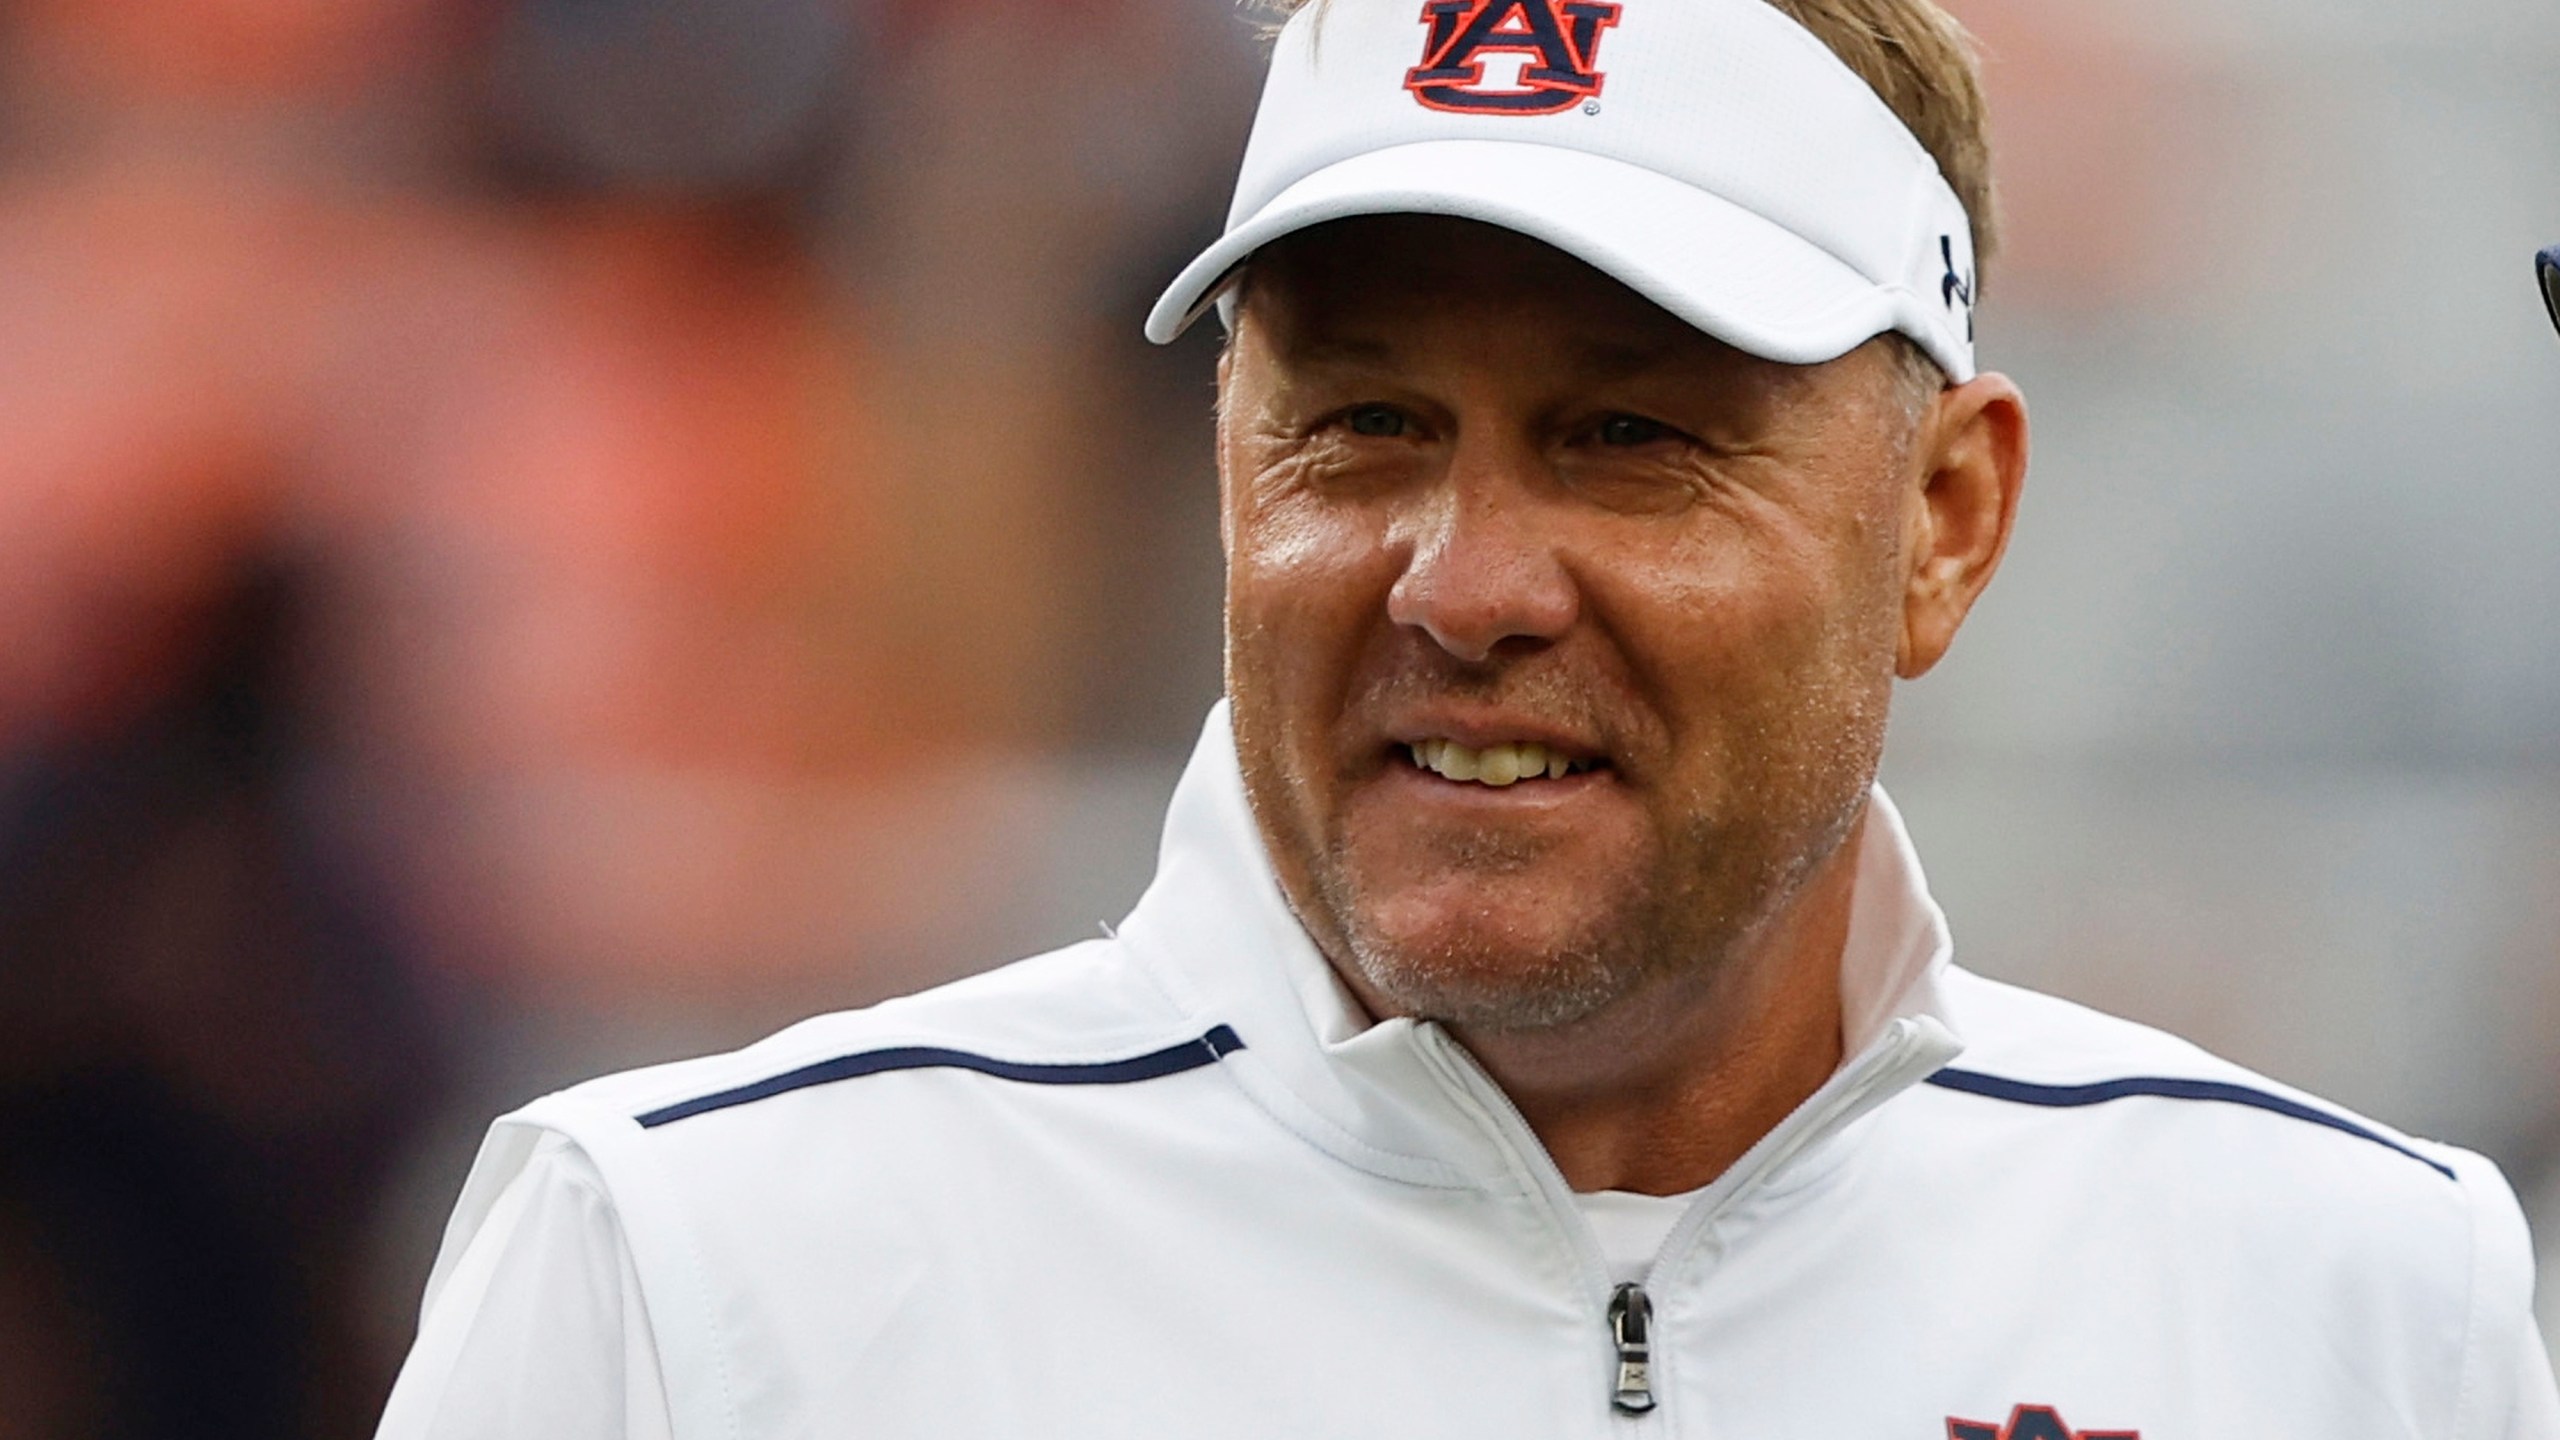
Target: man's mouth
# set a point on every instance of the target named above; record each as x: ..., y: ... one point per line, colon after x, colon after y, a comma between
x: 1496, y: 765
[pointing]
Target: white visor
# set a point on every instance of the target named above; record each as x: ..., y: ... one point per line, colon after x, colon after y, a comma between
x: 1712, y: 155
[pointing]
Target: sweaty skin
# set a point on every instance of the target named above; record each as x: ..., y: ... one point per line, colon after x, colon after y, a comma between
x: 1477, y: 492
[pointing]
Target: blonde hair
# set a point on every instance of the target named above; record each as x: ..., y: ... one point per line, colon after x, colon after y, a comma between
x: 1924, y: 65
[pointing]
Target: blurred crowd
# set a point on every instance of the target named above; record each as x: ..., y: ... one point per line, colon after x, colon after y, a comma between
x: 540, y: 534
x: 505, y: 499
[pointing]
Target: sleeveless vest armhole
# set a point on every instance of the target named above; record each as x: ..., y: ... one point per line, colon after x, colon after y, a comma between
x: 675, y: 1287
x: 2499, y: 1305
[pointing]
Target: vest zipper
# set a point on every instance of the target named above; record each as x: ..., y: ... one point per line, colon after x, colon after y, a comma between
x: 1630, y: 1330
x: 1909, y: 1048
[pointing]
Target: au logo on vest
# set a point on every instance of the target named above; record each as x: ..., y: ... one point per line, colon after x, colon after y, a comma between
x: 1552, y: 44
x: 2030, y: 1422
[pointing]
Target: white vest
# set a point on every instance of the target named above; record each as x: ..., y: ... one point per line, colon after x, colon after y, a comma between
x: 1168, y: 1184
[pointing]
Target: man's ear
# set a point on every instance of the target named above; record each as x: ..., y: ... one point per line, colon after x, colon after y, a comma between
x: 1226, y: 483
x: 1970, y: 465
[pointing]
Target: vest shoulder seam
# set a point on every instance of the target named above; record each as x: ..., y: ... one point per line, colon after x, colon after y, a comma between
x: 2168, y: 1087
x: 1208, y: 1049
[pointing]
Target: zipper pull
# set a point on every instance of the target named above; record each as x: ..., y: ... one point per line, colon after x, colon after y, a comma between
x: 1630, y: 1329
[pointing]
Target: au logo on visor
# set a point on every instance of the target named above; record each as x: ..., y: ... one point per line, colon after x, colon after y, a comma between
x: 1510, y: 57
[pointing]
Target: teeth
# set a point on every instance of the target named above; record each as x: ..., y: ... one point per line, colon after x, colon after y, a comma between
x: 1495, y: 765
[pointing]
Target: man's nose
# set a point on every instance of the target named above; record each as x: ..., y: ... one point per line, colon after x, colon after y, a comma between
x: 1483, y: 571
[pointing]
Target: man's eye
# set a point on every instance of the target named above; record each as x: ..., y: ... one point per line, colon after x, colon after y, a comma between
x: 1379, y: 422
x: 1631, y: 430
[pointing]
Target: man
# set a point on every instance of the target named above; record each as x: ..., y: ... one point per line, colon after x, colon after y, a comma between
x: 1538, y: 1024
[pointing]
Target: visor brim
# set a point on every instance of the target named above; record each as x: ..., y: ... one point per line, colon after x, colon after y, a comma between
x: 1718, y: 266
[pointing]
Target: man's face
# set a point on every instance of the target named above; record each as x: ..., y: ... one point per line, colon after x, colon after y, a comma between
x: 1488, y: 511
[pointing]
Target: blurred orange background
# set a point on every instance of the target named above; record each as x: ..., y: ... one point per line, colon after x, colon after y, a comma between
x: 540, y: 535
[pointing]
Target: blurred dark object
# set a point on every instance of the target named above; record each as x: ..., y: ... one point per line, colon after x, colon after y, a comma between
x: 209, y: 1052
x: 2547, y: 266
x: 690, y: 96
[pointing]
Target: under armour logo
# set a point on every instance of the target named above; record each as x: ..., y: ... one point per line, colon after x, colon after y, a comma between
x: 1958, y: 288
x: 2031, y: 1422
x: 1557, y: 42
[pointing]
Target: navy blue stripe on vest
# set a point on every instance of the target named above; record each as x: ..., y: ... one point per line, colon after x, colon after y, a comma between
x: 2023, y: 1092
x: 1209, y: 1049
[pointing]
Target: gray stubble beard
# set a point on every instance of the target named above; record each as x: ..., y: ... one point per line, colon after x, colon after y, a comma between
x: 1657, y: 931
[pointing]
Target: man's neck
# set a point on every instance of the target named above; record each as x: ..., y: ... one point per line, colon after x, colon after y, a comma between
x: 1662, y: 1092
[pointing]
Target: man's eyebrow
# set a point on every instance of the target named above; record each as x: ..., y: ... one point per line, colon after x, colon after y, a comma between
x: 1599, y: 359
